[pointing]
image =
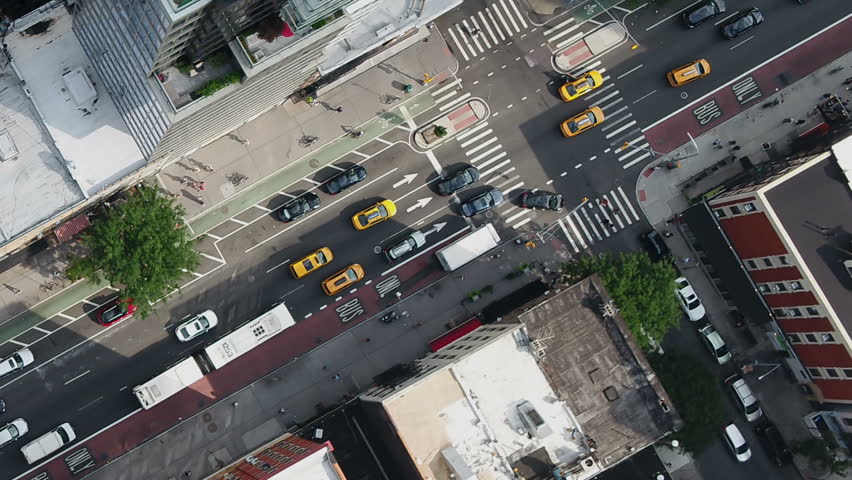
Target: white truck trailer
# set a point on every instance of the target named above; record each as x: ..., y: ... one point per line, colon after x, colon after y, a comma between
x: 468, y: 248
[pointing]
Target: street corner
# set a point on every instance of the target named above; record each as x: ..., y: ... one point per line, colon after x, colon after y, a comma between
x: 597, y: 42
x: 440, y: 129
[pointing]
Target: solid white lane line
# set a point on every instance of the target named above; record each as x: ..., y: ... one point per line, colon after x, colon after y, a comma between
x: 724, y: 19
x: 18, y: 344
x: 238, y: 222
x: 493, y: 169
x: 619, y: 130
x: 487, y: 27
x: 454, y: 102
x: 276, y: 266
x: 478, y: 137
x: 480, y: 146
x: 508, y: 30
x: 78, y: 377
x: 259, y: 207
x: 643, y: 97
x: 471, y: 131
x: 629, y: 71
x: 434, y: 161
x: 637, y: 160
x: 424, y: 252
x: 672, y: 16
x: 486, y: 153
x: 496, y: 27
x: 67, y: 317
x: 446, y: 87
x: 491, y: 160
x: 632, y: 210
x: 458, y: 45
x: 568, y: 41
x: 210, y: 257
x: 563, y: 33
x: 740, y: 44
x: 583, y: 226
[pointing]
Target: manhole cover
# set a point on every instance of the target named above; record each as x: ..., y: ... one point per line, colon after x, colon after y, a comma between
x: 207, y: 416
x: 377, y: 249
x: 489, y: 214
x: 314, y: 163
x: 212, y: 428
x: 683, y: 95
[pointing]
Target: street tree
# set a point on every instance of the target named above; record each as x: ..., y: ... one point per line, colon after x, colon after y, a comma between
x: 140, y: 247
x: 643, y: 291
x: 694, y: 391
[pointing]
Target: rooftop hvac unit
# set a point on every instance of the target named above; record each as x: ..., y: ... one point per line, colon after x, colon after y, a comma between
x: 536, y: 426
x: 79, y: 86
x: 8, y: 150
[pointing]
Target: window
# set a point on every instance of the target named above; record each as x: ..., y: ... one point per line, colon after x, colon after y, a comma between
x: 795, y: 286
x: 794, y: 338
x: 812, y: 311
x: 795, y: 312
x: 847, y: 421
x: 780, y: 287
x: 783, y: 260
x: 814, y: 372
x: 810, y: 337
x: 751, y: 264
x: 779, y: 312
x: 735, y: 210
x: 827, y: 338
x: 764, y: 288
x: 768, y: 262
x: 848, y: 373
x: 719, y: 212
x: 749, y: 207
x: 832, y: 372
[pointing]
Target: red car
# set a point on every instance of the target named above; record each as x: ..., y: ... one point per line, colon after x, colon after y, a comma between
x: 115, y: 311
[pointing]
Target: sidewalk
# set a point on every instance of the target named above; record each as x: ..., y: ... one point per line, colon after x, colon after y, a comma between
x: 307, y: 385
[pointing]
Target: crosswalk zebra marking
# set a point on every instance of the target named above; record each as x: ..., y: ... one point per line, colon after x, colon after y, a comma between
x: 485, y: 154
x: 458, y: 44
x: 522, y: 223
x: 473, y: 37
x: 567, y: 235
x: 446, y: 87
x: 447, y: 96
x: 509, y: 15
x: 604, y: 228
x: 491, y: 160
x: 621, y: 129
x: 514, y: 187
x: 502, y: 20
x: 478, y: 137
x: 585, y: 230
x: 635, y: 161
x: 616, y: 102
x: 591, y: 224
x: 480, y: 146
x: 607, y: 97
x: 633, y: 151
x: 621, y: 209
x: 510, y: 180
x: 516, y: 216
x: 483, y: 37
x: 569, y: 41
x: 471, y: 131
x: 564, y: 32
x: 494, y: 168
x: 496, y: 27
x: 518, y: 13
x: 454, y: 102
x: 557, y: 27
x: 487, y: 27
x: 598, y: 91
x: 632, y: 210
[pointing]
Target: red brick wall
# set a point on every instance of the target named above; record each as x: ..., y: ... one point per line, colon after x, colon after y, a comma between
x: 823, y: 355
x: 752, y: 235
x: 835, y: 389
x: 801, y: 325
x: 790, y: 299
x: 775, y: 274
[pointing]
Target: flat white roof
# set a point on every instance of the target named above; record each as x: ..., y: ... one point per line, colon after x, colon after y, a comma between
x: 92, y: 137
x: 34, y: 184
x: 317, y: 466
x: 473, y: 408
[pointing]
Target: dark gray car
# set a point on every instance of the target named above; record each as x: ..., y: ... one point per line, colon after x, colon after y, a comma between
x: 482, y: 202
x: 345, y: 179
x: 742, y: 22
x: 457, y: 181
x: 299, y: 207
x: 702, y: 12
x: 542, y: 200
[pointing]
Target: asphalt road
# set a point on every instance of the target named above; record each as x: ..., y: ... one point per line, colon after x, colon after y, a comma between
x: 84, y: 371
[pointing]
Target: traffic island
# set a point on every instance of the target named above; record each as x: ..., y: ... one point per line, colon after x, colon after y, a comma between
x: 596, y: 43
x: 445, y: 127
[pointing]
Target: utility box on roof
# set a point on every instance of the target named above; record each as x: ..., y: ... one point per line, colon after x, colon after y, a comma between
x: 8, y: 150
x: 80, y: 87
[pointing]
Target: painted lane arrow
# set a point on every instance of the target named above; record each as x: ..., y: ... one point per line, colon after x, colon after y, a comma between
x: 435, y: 228
x: 406, y: 179
x: 420, y: 204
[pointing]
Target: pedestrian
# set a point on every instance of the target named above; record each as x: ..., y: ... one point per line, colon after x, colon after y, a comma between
x: 207, y: 167
x: 200, y: 186
x: 604, y: 202
x: 174, y: 196
x: 799, y: 122
x: 736, y: 148
x: 339, y: 109
x: 732, y: 142
x: 187, y: 473
x: 184, y: 181
x: 282, y: 411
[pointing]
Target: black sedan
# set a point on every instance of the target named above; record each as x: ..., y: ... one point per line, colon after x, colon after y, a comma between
x: 702, y: 12
x: 774, y: 444
x: 742, y: 22
x: 459, y: 180
x: 542, y: 200
x: 345, y: 179
x: 482, y: 202
x: 299, y: 207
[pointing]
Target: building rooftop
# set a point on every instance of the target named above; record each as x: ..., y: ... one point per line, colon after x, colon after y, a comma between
x: 30, y: 165
x: 598, y: 370
x: 812, y: 206
x: 288, y: 457
x: 72, y: 102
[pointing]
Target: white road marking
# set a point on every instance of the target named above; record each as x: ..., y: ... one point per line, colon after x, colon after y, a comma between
x: 591, y: 224
x: 632, y: 152
x: 487, y: 27
x: 471, y: 131
x: 447, y: 96
x: 621, y: 129
x: 573, y: 39
x: 486, y: 153
x: 434, y: 161
x: 567, y: 235
x: 632, y: 210
x: 293, y: 291
x: 549, y: 182
x: 522, y: 223
x: 637, y: 160
x: 264, y: 208
x: 610, y: 105
x: 465, y: 41
x: 496, y: 27
x: 629, y: 72
x: 610, y: 115
x: 458, y: 44
x: 621, y: 208
x: 480, y: 146
x: 493, y: 169
x: 502, y: 20
x: 454, y: 102
x: 67, y: 317
x: 509, y: 15
x: 78, y: 377
x: 557, y: 27
x: 473, y: 37
x: 478, y: 37
x: 276, y: 266
x: 323, y: 307
x: 517, y: 215
x: 18, y: 344
x: 210, y: 257
x: 607, y: 97
x: 447, y: 87
x: 491, y: 160
x: 518, y: 13
x: 583, y: 226
x: 598, y: 91
x: 514, y: 187
x: 563, y: 33
x: 424, y: 252
x: 311, y: 181
x: 238, y: 222
x: 508, y: 181
x: 739, y: 44
x: 725, y: 19
x: 478, y: 137
x: 644, y: 96
x: 677, y: 13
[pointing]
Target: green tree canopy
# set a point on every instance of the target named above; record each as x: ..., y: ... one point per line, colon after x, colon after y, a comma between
x: 140, y: 247
x: 643, y: 291
x: 695, y: 393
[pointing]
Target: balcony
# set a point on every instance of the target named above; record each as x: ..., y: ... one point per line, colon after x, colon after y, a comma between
x: 272, y: 36
x: 184, y: 83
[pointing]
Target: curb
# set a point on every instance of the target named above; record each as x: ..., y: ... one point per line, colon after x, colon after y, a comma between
x: 476, y: 106
x: 553, y: 58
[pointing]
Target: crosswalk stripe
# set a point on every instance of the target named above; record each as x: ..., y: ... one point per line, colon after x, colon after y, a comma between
x: 563, y: 33
x: 605, y: 213
x: 509, y: 210
x: 591, y: 224
x: 491, y: 160
x: 496, y: 27
x: 633, y: 151
x: 640, y: 137
x: 621, y: 129
x: 517, y: 215
x: 604, y: 227
x: 621, y: 208
x: 518, y: 13
x: 587, y: 65
x: 487, y: 27
x: 522, y: 223
x: 473, y: 37
x: 510, y: 180
x: 569, y: 41
x: 505, y: 173
x: 514, y: 187
x: 618, y: 120
x: 610, y: 105
x: 474, y: 139
x: 632, y: 210
x: 509, y: 15
x: 471, y: 131
x: 485, y: 154
x: 607, y: 97
x: 557, y: 27
x: 480, y: 146
x: 458, y: 45
x: 446, y: 87
x: 482, y: 37
x: 445, y: 97
x: 567, y: 235
x: 494, y: 168
x: 635, y: 161
x: 463, y: 36
x: 508, y: 30
x: 598, y: 91
x: 454, y: 102
x: 583, y: 226
x: 614, y: 215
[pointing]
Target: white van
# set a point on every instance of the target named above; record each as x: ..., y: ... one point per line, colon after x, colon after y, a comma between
x: 16, y: 361
x: 48, y: 443
x: 12, y: 431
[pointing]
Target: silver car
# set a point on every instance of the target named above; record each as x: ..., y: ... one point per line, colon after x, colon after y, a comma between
x: 198, y: 325
x: 410, y: 243
x: 12, y: 431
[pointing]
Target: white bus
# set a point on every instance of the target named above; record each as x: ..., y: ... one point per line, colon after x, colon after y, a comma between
x: 468, y: 248
x: 248, y: 336
x: 168, y: 383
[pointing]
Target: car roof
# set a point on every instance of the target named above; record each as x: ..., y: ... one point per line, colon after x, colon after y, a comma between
x: 744, y: 391
x: 734, y: 434
x: 712, y: 336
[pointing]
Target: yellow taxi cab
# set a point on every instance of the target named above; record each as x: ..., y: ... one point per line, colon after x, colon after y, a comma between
x: 376, y: 214
x: 311, y: 262
x: 342, y: 279
x: 583, y: 85
x: 689, y: 73
x: 582, y: 122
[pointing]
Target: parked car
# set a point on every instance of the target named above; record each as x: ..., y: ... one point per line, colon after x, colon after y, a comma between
x: 48, y: 443
x: 744, y: 397
x: 345, y: 179
x: 542, y: 200
x: 342, y: 279
x: 655, y: 246
x: 736, y: 442
x: 16, y: 361
x: 482, y: 202
x: 2, y: 406
x: 12, y: 431
x: 115, y: 311
x: 197, y: 325
x: 580, y: 123
x: 688, y: 300
x: 299, y: 207
x: 581, y: 86
x: 713, y: 341
x: 690, y: 72
x: 311, y: 262
x: 742, y: 22
x: 458, y: 181
x: 774, y: 443
x: 410, y: 243
x: 702, y: 12
x: 378, y: 213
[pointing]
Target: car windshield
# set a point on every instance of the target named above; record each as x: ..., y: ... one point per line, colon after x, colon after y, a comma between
x: 572, y: 90
x: 702, y: 13
x: 114, y: 312
x: 752, y: 408
x: 13, y: 431
x: 203, y: 322
x: 307, y: 264
x: 694, y: 304
x: 742, y: 449
x: 351, y: 275
x: 321, y: 258
x: 722, y: 351
x: 700, y: 68
x: 63, y: 435
x: 184, y: 332
x: 553, y: 202
x: 743, y: 23
x: 383, y: 211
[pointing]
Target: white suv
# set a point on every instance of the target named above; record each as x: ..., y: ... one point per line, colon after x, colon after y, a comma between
x: 745, y: 398
x: 736, y: 442
x: 713, y: 341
